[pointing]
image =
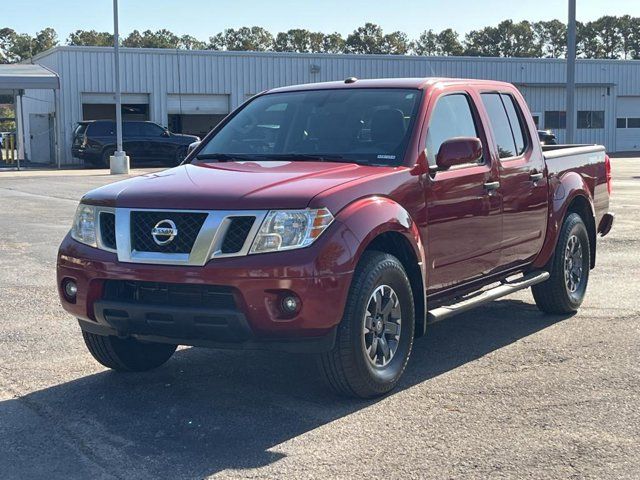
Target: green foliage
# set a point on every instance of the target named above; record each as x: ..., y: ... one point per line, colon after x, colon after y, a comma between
x: 90, y: 38
x: 606, y: 37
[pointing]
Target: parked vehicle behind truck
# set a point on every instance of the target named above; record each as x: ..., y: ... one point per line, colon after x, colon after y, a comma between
x: 94, y: 142
x: 338, y: 219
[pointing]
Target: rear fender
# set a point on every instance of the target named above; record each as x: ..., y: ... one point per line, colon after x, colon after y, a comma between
x: 563, y: 191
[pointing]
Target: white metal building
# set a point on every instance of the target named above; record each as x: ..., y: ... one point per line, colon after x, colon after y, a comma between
x: 190, y: 91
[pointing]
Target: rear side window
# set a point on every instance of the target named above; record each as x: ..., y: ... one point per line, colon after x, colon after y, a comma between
x: 80, y: 129
x: 500, y: 124
x: 451, y: 117
x: 151, y: 130
x: 101, y: 129
x: 517, y: 126
x: 131, y: 129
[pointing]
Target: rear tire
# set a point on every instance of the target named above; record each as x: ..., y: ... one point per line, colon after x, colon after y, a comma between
x: 565, y: 289
x: 127, y: 354
x: 375, y: 336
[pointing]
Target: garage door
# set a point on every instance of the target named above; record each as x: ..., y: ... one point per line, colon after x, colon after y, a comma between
x: 628, y: 124
x: 198, y: 104
x: 101, y: 106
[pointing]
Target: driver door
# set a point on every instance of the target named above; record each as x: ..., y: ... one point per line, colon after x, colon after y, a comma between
x: 464, y: 229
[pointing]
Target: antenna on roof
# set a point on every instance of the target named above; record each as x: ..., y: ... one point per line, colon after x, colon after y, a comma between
x: 350, y: 80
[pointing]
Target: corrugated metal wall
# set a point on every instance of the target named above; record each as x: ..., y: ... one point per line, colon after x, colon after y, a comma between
x: 239, y: 74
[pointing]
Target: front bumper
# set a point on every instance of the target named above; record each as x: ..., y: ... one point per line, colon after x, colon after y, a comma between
x: 319, y: 275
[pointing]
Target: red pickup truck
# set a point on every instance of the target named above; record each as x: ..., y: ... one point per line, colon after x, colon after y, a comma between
x: 338, y: 219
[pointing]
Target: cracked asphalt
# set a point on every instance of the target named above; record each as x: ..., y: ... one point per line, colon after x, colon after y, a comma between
x: 502, y: 391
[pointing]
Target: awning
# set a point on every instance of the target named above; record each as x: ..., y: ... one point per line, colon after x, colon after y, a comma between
x: 26, y: 76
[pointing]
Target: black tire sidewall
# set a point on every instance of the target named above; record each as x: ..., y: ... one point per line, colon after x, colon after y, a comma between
x: 575, y: 226
x: 392, y: 274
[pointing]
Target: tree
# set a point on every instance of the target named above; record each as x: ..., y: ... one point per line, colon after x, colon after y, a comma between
x: 448, y: 43
x: 90, y: 38
x: 162, y: 38
x: 444, y: 43
x: 187, y: 42
x: 255, y: 39
x: 367, y: 39
x: 426, y: 44
x: 333, y: 43
x: 587, y: 43
x: 295, y: 40
x: 507, y: 39
x: 551, y: 38
x: 609, y: 36
x: 44, y: 40
x: 482, y: 43
x: 395, y: 43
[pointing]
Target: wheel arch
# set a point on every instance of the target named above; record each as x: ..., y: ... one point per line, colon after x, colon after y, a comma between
x: 568, y: 193
x: 381, y: 224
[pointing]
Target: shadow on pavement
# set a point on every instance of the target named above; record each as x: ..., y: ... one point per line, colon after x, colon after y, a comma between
x: 206, y: 411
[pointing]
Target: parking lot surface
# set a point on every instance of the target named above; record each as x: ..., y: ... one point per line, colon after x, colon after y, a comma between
x: 502, y: 391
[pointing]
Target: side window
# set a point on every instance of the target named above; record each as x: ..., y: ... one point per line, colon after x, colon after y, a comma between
x: 131, y: 129
x: 151, y: 130
x: 520, y: 132
x: 500, y: 124
x: 451, y: 117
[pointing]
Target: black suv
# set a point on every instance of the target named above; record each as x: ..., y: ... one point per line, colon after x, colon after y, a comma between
x: 95, y: 141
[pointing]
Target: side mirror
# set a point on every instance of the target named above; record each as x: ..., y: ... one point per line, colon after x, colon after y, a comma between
x: 458, y: 151
x: 166, y: 133
x: 192, y: 147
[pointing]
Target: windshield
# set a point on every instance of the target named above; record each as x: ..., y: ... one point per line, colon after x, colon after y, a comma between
x: 362, y: 125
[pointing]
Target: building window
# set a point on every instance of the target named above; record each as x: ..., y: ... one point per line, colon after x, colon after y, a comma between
x: 621, y: 123
x: 591, y: 119
x: 555, y: 119
x: 633, y: 122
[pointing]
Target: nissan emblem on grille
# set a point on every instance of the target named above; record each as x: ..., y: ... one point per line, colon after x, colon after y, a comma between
x: 164, y: 232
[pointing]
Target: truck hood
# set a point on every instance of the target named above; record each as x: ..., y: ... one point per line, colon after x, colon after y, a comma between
x: 230, y: 186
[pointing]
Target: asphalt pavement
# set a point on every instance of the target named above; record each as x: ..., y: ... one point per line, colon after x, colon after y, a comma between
x: 503, y: 391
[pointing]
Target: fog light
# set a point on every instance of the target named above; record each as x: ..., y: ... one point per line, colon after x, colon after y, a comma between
x: 290, y: 304
x: 70, y: 290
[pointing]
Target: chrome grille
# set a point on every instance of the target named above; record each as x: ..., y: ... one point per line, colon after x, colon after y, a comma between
x: 108, y: 230
x: 187, y: 223
x: 236, y: 235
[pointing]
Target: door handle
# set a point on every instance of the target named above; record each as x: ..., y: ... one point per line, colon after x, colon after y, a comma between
x: 535, y: 177
x: 492, y: 185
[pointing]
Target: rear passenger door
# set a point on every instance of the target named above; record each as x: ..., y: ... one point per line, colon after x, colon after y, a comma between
x: 464, y: 223
x: 133, y: 141
x: 523, y: 181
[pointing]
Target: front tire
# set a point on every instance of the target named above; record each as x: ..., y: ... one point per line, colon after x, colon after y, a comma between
x: 565, y: 289
x: 127, y: 354
x: 376, y: 333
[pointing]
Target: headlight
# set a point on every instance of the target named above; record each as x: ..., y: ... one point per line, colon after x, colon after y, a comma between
x: 289, y: 229
x: 84, y: 225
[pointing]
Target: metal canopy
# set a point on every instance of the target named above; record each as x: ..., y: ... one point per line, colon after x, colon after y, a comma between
x: 27, y: 76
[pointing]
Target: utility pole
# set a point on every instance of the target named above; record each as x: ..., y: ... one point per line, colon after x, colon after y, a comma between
x: 571, y: 73
x: 119, y: 162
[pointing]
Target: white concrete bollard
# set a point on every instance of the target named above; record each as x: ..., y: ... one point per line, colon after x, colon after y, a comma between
x: 119, y: 163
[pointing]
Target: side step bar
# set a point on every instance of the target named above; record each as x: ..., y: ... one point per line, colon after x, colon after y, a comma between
x: 506, y: 288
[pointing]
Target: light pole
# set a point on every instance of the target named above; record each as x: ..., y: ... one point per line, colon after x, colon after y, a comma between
x: 119, y: 162
x: 571, y: 73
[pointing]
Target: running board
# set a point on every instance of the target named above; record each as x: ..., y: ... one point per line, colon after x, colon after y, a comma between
x: 507, y: 288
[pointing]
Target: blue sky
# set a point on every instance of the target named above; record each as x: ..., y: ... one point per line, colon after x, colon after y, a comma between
x: 202, y: 18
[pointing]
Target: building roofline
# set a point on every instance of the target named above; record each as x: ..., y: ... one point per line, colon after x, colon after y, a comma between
x: 234, y: 53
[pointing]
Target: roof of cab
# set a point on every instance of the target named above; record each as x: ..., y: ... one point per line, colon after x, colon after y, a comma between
x: 413, y: 83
